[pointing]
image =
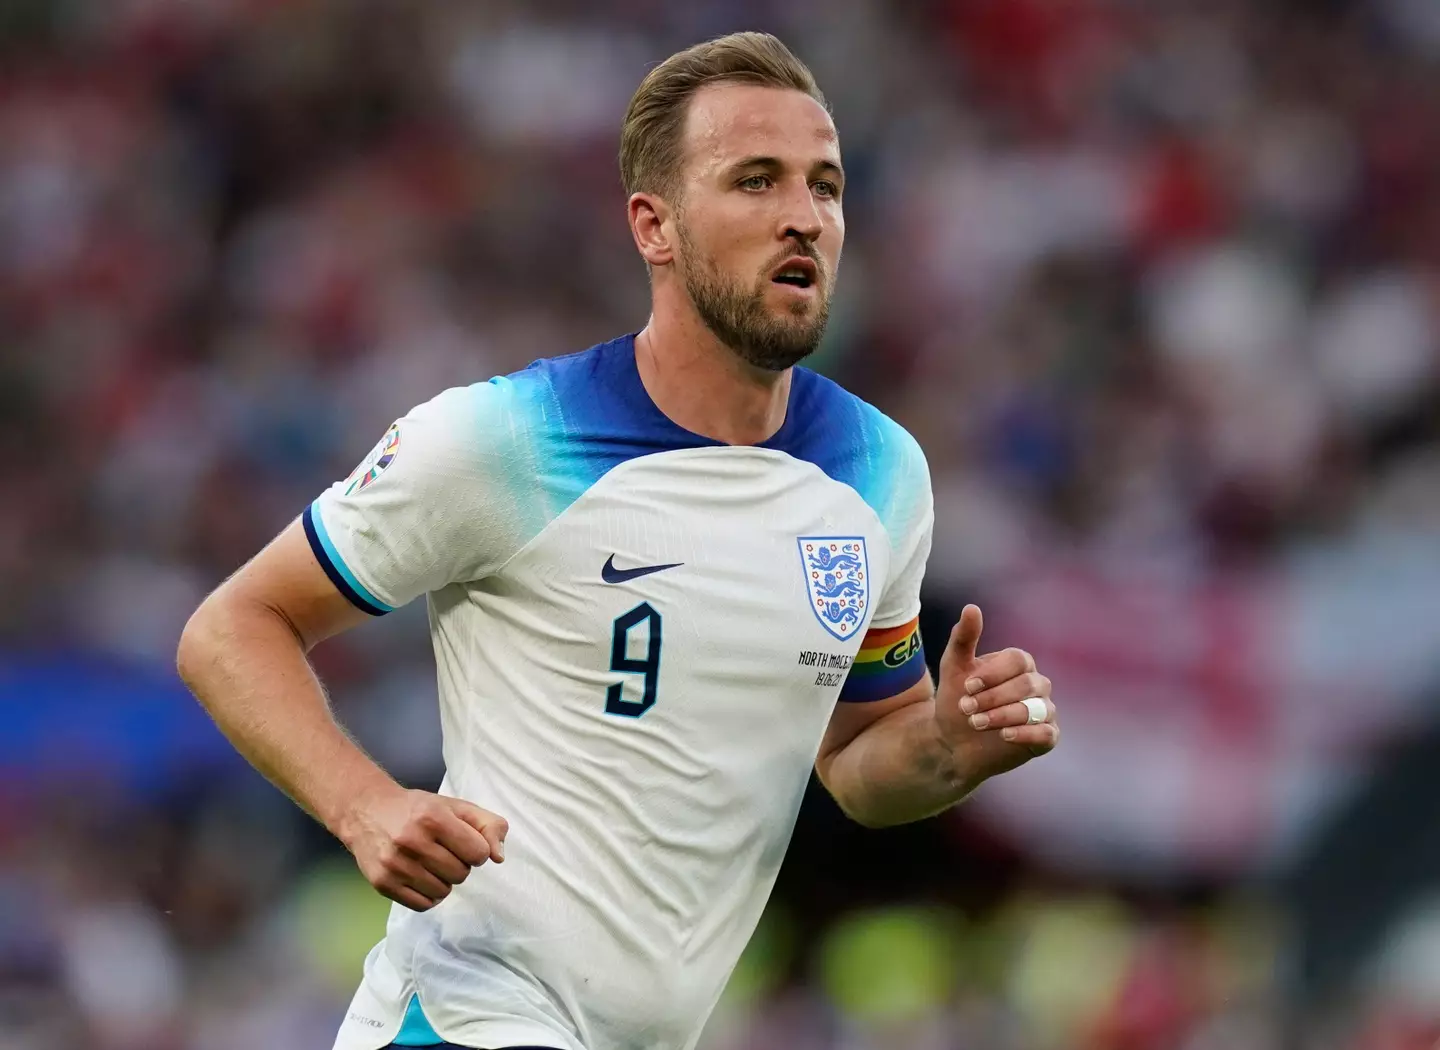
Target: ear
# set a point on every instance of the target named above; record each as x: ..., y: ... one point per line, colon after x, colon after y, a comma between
x: 649, y: 225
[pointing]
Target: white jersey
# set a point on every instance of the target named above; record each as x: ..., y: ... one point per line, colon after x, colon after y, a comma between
x: 640, y: 637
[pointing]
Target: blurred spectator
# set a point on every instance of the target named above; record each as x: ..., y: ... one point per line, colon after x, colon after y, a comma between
x: 1157, y: 286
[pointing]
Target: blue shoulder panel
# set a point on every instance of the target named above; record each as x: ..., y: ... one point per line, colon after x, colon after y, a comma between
x: 592, y: 414
x: 853, y: 442
x: 584, y: 414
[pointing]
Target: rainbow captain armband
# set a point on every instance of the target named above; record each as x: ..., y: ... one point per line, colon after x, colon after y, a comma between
x: 890, y: 661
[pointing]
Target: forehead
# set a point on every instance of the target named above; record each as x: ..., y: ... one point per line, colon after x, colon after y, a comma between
x: 729, y: 122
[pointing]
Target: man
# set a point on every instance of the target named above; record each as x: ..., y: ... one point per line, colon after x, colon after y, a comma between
x: 652, y: 569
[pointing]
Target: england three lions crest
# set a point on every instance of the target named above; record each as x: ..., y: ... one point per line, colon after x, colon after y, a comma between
x: 837, y: 579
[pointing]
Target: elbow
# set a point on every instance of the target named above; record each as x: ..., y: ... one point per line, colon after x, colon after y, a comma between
x: 194, y: 653
x: 844, y: 799
x: 865, y: 820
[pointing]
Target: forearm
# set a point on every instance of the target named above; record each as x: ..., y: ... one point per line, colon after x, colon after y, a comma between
x: 897, y: 771
x: 247, y: 666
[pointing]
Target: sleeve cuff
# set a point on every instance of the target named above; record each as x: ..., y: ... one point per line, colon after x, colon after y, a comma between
x: 335, y: 567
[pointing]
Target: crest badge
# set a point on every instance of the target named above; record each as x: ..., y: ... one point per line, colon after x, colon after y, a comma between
x: 380, y: 457
x: 837, y: 580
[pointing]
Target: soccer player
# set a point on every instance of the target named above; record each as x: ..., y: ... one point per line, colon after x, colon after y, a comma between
x: 665, y: 577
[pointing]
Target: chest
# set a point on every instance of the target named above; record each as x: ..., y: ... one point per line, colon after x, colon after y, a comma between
x: 705, y: 585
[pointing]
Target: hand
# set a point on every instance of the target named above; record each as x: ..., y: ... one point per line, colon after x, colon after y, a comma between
x: 413, y: 846
x: 979, y: 704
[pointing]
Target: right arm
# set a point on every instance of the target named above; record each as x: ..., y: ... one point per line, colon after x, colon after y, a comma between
x: 243, y: 654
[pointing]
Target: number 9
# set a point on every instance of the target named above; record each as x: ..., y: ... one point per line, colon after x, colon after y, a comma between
x: 615, y: 702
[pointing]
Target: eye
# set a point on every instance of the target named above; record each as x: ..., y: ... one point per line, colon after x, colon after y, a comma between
x: 755, y: 182
x: 826, y: 188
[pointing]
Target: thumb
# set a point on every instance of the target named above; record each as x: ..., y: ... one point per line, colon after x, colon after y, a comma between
x: 491, y: 826
x: 965, y: 637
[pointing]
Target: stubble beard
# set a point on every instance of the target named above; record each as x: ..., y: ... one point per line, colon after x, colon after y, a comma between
x: 740, y: 320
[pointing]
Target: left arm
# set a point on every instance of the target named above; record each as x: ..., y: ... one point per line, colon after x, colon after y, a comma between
x: 919, y: 752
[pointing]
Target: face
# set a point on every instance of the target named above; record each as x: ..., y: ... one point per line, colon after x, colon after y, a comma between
x: 758, y: 223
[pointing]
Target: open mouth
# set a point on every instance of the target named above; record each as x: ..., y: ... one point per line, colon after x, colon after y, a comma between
x: 798, y: 272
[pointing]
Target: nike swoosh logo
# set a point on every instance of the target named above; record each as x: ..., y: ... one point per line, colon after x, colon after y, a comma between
x: 610, y: 574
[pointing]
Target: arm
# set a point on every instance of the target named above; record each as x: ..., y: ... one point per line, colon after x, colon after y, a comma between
x: 884, y: 762
x: 919, y: 752
x: 243, y: 654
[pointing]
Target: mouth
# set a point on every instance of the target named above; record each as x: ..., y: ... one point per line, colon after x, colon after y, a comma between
x: 797, y: 272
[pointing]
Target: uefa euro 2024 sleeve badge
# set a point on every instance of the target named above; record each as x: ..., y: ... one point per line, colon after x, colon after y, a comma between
x: 837, y: 579
x: 373, y: 465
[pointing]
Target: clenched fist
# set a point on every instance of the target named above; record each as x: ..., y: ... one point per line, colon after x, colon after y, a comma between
x: 413, y: 846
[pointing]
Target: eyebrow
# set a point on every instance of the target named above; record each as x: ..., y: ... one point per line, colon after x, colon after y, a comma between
x: 776, y: 164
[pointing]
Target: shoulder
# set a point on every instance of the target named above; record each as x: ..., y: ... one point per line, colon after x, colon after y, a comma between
x: 858, y: 445
x: 545, y: 399
x: 577, y: 390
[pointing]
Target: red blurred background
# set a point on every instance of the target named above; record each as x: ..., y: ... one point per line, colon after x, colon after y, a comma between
x: 1156, y: 283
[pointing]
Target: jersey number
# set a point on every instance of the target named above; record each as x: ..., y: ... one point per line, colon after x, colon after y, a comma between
x: 620, y: 660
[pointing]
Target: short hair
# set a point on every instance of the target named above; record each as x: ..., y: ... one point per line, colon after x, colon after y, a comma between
x: 652, y: 135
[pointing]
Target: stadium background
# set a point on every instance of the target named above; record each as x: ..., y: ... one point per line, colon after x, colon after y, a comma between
x: 1155, y: 282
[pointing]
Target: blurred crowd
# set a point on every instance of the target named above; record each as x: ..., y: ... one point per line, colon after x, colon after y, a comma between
x: 1156, y: 283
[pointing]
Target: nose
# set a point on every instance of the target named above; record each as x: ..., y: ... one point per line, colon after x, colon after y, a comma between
x: 801, y: 218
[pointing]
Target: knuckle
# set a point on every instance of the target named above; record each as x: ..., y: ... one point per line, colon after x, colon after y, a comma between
x: 409, y: 840
x: 501, y: 825
x: 1038, y: 684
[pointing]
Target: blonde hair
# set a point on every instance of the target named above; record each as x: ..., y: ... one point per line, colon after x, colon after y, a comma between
x: 652, y: 135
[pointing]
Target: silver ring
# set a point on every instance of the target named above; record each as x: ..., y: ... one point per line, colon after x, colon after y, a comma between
x: 1036, y: 710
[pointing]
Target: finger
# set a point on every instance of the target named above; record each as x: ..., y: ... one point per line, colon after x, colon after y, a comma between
x: 434, y: 856
x: 413, y: 874
x: 965, y: 636
x: 459, y: 837
x: 1038, y: 739
x: 409, y: 898
x: 495, y: 833
x: 1013, y: 691
x: 1016, y: 714
x: 492, y: 827
x: 993, y: 668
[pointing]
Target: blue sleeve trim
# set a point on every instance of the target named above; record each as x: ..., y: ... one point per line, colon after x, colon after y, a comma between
x: 334, y: 566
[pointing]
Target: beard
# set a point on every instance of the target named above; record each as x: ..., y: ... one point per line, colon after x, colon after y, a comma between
x: 739, y: 318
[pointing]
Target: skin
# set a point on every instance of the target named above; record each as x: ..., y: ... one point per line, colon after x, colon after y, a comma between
x: 761, y: 182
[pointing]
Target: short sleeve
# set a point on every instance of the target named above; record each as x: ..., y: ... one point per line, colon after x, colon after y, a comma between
x: 891, y: 658
x: 429, y: 506
x: 909, y: 519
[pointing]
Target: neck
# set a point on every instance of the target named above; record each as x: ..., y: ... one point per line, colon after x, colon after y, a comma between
x: 705, y: 387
